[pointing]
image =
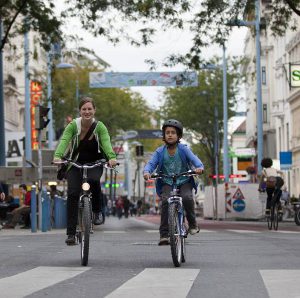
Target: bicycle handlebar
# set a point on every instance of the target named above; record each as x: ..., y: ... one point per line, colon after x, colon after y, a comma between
x: 90, y: 165
x: 161, y: 175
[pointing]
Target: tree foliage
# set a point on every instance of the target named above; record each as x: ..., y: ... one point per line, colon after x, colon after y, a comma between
x: 205, y: 19
x: 195, y: 108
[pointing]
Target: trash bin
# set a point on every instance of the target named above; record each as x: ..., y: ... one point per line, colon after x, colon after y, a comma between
x: 60, y: 212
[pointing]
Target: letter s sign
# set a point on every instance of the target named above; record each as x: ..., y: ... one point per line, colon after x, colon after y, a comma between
x: 295, y: 75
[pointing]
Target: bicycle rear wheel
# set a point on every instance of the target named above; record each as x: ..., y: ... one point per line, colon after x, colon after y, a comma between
x: 85, y: 226
x: 176, y: 241
x: 269, y: 220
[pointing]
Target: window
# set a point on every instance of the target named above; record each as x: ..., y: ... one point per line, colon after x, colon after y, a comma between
x: 265, y: 113
x: 263, y: 75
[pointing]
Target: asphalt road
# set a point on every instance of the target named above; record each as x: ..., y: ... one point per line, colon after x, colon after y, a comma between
x: 226, y: 259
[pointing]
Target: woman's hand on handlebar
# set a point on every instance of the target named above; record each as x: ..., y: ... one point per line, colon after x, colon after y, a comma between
x: 112, y: 163
x: 57, y: 161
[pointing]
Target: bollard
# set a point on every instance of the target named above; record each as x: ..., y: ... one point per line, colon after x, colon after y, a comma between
x: 45, y: 211
x: 60, y: 212
x: 49, y: 211
x: 33, y: 209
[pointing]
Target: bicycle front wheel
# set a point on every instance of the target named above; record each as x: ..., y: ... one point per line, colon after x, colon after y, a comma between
x: 85, y: 225
x: 176, y: 241
x: 276, y: 218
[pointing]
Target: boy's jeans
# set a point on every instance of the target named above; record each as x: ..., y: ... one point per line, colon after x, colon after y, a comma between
x: 188, y: 203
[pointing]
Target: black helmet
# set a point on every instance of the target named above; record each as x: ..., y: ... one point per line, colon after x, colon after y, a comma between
x: 173, y: 123
x: 266, y: 162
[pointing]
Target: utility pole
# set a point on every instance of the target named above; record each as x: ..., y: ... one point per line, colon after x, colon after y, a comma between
x: 2, y: 118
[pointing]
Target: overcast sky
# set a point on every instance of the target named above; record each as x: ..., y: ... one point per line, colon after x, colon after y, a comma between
x: 126, y: 58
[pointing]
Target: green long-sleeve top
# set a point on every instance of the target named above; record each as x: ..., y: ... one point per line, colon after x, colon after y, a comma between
x: 70, y: 139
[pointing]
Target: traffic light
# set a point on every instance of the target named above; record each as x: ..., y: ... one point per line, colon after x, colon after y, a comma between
x: 40, y: 117
x: 139, y: 150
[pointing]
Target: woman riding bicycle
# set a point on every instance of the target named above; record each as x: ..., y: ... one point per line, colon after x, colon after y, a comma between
x: 96, y: 147
x: 174, y: 158
x: 271, y: 179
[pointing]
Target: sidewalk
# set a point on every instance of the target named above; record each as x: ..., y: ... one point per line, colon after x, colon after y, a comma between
x: 208, y: 224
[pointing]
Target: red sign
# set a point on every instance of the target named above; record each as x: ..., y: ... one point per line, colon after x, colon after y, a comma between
x: 35, y: 98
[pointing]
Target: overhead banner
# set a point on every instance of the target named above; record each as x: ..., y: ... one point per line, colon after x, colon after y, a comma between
x: 295, y: 75
x: 141, y: 79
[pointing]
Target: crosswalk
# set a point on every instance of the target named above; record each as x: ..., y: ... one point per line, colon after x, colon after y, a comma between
x: 151, y: 282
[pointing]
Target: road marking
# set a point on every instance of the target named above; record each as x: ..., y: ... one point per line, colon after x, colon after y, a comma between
x: 206, y: 231
x: 152, y: 231
x: 281, y: 283
x: 286, y: 232
x: 159, y: 283
x: 28, y: 282
x: 244, y: 231
x: 114, y: 232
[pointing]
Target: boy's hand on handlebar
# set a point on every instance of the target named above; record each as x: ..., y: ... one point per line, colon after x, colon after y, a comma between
x: 147, y: 176
x: 198, y: 171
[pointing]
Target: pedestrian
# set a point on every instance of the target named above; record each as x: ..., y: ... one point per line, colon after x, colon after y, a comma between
x: 24, y: 210
x: 174, y: 158
x: 119, y: 207
x: 126, y: 204
x: 2, y: 193
x: 96, y: 147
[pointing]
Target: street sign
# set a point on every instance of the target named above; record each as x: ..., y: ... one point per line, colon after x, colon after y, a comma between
x: 140, y: 79
x: 295, y: 75
x: 285, y: 160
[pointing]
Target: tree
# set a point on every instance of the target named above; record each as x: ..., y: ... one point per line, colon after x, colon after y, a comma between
x: 194, y: 107
x: 205, y: 19
x: 40, y: 17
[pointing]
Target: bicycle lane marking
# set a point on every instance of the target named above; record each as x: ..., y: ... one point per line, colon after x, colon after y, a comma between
x: 159, y: 283
x: 17, y: 286
x: 281, y: 283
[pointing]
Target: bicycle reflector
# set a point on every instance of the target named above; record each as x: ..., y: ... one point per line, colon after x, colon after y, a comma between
x: 85, y: 186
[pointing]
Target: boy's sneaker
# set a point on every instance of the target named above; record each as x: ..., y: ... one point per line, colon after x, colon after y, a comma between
x: 267, y: 212
x: 194, y: 230
x: 164, y: 241
x: 71, y: 240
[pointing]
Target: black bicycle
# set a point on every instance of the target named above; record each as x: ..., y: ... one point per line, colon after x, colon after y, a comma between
x: 274, y: 217
x: 85, y: 214
x: 177, y: 229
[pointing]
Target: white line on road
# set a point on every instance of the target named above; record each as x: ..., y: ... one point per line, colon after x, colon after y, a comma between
x: 151, y: 231
x: 28, y: 282
x: 244, y: 231
x: 114, y: 232
x: 281, y: 283
x: 159, y: 283
x: 286, y: 232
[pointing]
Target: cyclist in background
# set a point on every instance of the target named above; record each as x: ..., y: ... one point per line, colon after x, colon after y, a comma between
x: 97, y: 147
x: 174, y: 158
x: 273, y: 182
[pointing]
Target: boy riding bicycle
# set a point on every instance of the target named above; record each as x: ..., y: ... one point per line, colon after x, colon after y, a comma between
x: 174, y: 158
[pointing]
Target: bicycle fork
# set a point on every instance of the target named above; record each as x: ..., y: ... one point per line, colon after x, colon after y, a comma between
x: 178, y: 203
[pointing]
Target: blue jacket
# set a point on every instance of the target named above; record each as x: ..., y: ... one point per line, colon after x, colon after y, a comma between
x: 186, y: 155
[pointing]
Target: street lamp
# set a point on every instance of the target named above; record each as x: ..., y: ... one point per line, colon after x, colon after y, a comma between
x: 256, y: 23
x: 225, y: 113
x: 64, y: 65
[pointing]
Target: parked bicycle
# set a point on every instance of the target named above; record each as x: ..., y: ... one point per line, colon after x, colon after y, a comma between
x: 177, y: 228
x: 85, y: 214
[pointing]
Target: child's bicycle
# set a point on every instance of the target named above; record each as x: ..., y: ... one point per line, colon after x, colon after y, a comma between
x: 85, y: 214
x: 177, y: 229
